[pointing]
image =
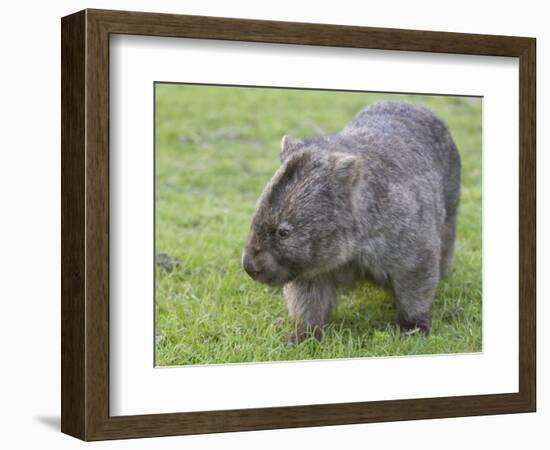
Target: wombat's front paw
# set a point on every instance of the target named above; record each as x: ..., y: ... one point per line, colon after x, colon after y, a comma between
x: 422, y: 325
x: 300, y: 334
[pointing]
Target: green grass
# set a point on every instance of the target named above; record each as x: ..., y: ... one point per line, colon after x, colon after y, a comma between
x: 216, y: 148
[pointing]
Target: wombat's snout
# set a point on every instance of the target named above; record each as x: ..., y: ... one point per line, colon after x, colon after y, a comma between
x: 250, y: 266
x: 263, y: 268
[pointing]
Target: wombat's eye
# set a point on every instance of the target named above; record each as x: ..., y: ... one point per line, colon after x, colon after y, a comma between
x: 284, y: 230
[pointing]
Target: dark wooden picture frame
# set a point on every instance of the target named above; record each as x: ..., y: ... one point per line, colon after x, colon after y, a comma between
x: 85, y: 224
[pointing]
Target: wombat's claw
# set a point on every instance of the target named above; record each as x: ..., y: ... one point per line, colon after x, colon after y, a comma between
x: 297, y: 336
x: 279, y: 323
x: 418, y: 330
x: 294, y: 338
x: 411, y: 332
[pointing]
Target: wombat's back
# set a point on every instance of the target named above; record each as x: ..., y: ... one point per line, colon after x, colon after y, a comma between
x: 405, y: 132
x: 410, y: 139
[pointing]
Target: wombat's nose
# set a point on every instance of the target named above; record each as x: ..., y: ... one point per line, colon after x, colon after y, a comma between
x: 249, y: 266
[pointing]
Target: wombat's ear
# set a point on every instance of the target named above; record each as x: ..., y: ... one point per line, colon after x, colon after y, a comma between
x: 289, y: 144
x: 346, y: 168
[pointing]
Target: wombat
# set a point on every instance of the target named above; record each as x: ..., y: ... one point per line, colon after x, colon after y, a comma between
x: 376, y: 200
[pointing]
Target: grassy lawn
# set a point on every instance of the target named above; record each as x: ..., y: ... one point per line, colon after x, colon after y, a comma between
x: 216, y: 148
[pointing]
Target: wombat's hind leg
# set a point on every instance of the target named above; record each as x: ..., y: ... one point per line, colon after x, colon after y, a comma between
x: 414, y: 292
x: 448, y: 245
x: 452, y: 199
x: 309, y: 305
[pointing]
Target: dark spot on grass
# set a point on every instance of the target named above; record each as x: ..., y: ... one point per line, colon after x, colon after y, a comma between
x: 192, y: 224
x: 166, y: 263
x: 452, y: 312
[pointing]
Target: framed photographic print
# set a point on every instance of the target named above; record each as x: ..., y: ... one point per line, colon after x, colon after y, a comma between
x: 271, y: 224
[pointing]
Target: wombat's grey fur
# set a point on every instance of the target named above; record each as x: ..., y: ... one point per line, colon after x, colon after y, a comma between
x: 377, y: 199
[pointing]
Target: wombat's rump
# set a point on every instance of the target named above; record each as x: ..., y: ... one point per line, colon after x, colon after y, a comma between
x: 377, y: 199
